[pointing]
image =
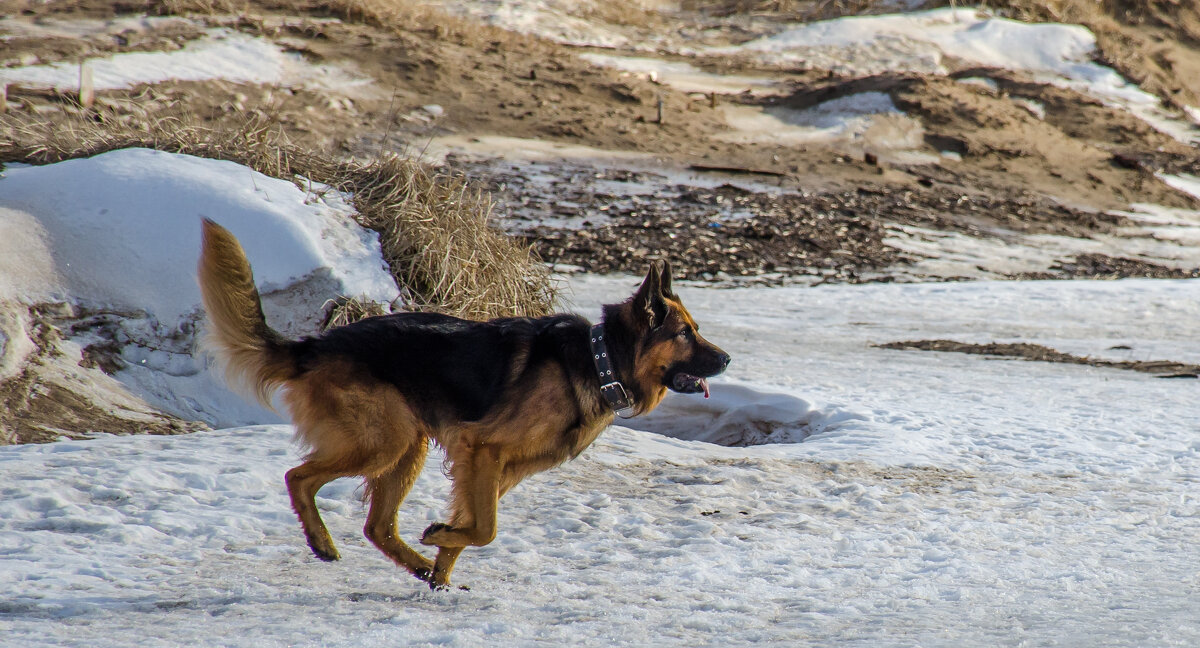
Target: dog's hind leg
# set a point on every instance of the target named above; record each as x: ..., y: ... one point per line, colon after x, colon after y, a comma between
x: 387, y: 492
x: 303, y: 482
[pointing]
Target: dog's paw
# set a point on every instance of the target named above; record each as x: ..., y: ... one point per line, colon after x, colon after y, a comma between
x: 446, y: 587
x: 326, y: 554
x: 433, y: 529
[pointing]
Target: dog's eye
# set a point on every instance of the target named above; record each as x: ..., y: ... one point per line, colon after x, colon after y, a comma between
x: 685, y: 333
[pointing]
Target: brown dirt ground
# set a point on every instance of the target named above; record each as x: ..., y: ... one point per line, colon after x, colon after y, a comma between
x: 494, y: 82
x: 45, y: 403
x: 1039, y: 353
x: 1101, y: 266
x: 1154, y: 43
x: 728, y: 230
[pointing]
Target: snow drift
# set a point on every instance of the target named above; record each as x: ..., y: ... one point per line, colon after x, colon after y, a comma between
x: 117, y: 237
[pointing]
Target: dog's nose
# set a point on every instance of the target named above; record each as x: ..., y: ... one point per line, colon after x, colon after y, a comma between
x: 725, y: 361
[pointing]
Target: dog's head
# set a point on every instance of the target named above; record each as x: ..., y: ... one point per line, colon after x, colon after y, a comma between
x: 667, y: 348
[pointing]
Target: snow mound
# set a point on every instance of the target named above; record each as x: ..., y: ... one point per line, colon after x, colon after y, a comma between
x: 924, y: 39
x: 117, y: 236
x: 739, y: 415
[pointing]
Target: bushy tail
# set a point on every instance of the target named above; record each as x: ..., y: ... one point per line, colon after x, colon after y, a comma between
x: 255, y: 357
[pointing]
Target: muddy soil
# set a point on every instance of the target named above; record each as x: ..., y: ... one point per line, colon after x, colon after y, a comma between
x: 768, y: 235
x: 1039, y: 353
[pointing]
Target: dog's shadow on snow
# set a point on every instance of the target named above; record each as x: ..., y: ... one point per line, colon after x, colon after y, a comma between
x: 737, y: 415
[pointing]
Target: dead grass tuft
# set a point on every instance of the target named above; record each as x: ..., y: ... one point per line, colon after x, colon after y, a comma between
x: 434, y: 228
x: 348, y: 310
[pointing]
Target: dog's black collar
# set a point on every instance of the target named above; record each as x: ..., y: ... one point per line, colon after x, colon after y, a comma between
x: 610, y: 387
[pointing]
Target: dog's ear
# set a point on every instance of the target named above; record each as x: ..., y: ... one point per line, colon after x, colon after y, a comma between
x: 664, y: 280
x: 648, y: 304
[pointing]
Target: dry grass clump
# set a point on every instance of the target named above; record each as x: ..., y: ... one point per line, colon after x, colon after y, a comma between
x: 443, y: 243
x: 434, y: 228
x: 347, y: 310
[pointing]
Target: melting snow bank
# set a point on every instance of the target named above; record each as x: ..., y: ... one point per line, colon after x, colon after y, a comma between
x: 921, y: 42
x: 221, y: 54
x: 177, y: 540
x: 117, y: 237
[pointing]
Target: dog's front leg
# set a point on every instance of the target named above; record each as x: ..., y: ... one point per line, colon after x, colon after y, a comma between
x: 479, y: 500
x: 447, y: 556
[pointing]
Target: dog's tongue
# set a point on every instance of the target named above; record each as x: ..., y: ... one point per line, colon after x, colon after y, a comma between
x: 704, y: 384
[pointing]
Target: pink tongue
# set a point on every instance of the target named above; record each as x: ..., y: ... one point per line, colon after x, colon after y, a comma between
x: 704, y: 384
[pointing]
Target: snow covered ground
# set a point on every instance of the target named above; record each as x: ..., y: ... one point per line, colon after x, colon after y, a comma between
x: 936, y: 500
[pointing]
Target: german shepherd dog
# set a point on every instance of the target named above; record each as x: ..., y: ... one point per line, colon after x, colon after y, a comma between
x: 504, y: 398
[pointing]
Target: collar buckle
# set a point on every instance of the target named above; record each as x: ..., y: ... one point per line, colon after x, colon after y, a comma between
x: 618, y: 399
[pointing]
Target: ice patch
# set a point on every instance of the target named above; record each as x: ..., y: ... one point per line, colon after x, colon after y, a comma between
x: 867, y: 121
x: 981, y: 82
x: 1035, y: 108
x: 1188, y: 184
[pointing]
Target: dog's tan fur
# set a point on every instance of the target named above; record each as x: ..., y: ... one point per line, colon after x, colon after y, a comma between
x: 356, y: 425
